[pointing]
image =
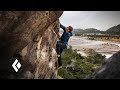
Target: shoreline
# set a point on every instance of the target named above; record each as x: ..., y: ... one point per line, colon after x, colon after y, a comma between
x: 106, y: 48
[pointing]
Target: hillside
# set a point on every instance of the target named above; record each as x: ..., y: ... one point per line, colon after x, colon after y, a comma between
x: 88, y: 30
x: 114, y: 30
x: 91, y: 30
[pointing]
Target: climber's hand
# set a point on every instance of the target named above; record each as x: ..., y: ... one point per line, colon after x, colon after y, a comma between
x: 58, y: 39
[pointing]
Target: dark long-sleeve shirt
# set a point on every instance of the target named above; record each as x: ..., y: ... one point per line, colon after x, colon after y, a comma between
x: 65, y: 36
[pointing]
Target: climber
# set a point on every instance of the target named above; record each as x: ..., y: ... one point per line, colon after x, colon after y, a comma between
x: 63, y: 42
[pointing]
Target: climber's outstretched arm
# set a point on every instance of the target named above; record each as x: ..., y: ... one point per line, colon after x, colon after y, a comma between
x: 63, y: 27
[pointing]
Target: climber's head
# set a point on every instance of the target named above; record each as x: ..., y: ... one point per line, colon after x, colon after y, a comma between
x: 69, y: 29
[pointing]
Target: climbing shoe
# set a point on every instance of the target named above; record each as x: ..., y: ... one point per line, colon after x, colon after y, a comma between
x: 60, y: 67
x: 59, y: 77
x: 58, y: 55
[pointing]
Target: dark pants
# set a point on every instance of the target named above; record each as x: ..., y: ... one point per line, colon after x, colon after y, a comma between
x: 59, y: 48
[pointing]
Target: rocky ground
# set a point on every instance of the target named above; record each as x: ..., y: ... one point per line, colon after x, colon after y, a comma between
x: 82, y: 44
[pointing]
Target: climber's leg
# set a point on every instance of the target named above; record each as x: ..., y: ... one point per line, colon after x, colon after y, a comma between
x: 59, y: 48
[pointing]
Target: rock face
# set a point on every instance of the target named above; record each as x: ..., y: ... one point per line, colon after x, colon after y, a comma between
x: 109, y: 70
x: 30, y: 37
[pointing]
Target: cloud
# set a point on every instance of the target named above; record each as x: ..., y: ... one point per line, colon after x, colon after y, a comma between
x: 101, y: 20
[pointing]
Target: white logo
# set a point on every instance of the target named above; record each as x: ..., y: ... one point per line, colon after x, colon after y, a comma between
x: 16, y: 65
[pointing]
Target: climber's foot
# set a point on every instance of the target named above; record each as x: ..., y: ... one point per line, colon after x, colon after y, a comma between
x: 59, y: 67
x: 59, y: 77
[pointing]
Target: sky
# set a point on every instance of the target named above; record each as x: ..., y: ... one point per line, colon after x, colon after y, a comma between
x: 101, y: 20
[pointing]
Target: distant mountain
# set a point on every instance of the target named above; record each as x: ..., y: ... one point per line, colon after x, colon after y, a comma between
x: 77, y: 31
x: 91, y: 30
x: 114, y: 30
x: 88, y: 30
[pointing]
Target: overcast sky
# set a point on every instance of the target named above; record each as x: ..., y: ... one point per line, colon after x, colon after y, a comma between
x: 101, y: 20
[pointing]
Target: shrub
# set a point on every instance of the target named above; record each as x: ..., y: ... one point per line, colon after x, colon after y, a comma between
x: 82, y: 66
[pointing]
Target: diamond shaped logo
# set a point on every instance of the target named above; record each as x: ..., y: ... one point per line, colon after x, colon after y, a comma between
x: 16, y: 65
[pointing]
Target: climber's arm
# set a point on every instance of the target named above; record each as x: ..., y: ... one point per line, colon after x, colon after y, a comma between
x: 63, y: 27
